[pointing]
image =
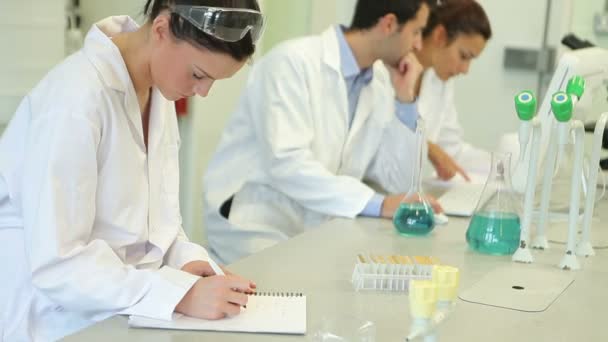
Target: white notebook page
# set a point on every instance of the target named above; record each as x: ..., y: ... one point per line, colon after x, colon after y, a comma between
x: 264, y: 314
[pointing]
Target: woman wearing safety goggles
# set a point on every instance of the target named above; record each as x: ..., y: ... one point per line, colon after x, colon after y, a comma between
x: 90, y: 224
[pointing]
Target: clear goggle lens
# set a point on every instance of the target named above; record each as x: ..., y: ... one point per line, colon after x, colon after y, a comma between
x: 227, y: 24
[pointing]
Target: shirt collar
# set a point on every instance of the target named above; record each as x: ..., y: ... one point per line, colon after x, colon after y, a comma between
x: 350, y: 68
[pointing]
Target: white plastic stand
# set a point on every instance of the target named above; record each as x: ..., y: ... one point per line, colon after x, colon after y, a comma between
x: 523, y: 253
x: 540, y: 240
x: 555, y: 153
x: 519, y: 180
x: 584, y: 248
x: 569, y: 262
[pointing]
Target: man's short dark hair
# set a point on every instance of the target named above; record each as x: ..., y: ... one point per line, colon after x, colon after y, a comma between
x: 369, y: 12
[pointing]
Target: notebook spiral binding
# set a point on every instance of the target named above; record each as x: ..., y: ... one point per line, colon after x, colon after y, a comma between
x: 277, y: 294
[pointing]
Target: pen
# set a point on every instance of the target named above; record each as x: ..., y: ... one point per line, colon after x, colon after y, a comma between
x: 216, y: 268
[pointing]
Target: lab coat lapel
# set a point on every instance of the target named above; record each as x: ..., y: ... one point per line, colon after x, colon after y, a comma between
x: 157, y: 154
x: 157, y: 121
x: 331, y: 59
x: 107, y: 59
x: 364, y: 110
x: 133, y: 113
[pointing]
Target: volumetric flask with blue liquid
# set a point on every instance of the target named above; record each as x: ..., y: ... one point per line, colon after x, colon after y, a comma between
x: 415, y: 216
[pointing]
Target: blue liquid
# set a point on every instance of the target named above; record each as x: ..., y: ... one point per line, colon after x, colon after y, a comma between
x: 414, y: 219
x: 494, y: 233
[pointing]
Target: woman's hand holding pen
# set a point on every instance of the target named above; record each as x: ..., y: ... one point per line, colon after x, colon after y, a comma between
x: 214, y: 296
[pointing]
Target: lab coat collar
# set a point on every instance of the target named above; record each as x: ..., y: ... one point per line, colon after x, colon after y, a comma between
x: 105, y: 55
x: 107, y: 59
x: 331, y: 49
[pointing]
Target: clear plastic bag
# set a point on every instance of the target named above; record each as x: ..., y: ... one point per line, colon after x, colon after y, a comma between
x: 345, y: 328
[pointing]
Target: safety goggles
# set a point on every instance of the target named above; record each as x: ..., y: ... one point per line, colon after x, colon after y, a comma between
x: 226, y: 24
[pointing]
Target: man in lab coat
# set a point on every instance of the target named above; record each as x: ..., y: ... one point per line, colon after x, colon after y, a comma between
x: 321, y: 117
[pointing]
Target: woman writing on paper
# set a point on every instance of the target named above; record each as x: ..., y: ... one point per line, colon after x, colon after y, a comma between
x: 90, y: 224
x: 456, y: 33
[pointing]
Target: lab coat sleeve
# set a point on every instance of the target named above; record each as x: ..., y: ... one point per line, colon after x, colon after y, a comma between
x: 283, y: 120
x: 183, y: 251
x: 68, y: 264
x: 392, y: 168
x: 451, y: 139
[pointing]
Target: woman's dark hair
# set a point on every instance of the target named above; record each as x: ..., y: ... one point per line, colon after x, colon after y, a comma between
x: 369, y: 12
x: 184, y: 30
x: 458, y: 17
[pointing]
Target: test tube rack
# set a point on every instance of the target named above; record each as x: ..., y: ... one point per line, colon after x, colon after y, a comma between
x: 391, y: 272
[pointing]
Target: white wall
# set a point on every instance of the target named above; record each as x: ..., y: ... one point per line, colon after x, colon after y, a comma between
x: 32, y: 40
x: 326, y: 13
x: 284, y: 20
x: 582, y: 20
x: 94, y: 10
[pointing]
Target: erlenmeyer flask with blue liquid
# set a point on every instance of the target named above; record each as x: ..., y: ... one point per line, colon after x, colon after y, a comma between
x: 495, y: 227
x: 415, y: 216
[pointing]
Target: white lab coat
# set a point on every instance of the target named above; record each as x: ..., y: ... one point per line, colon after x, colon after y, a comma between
x: 436, y: 106
x: 288, y: 153
x: 89, y: 221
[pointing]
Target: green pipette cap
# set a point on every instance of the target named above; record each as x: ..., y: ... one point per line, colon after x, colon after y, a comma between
x: 561, y: 103
x: 576, y: 86
x: 525, y: 105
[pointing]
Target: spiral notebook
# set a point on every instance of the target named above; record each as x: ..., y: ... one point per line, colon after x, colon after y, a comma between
x: 274, y: 313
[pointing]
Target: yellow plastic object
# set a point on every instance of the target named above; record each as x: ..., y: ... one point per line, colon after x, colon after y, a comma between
x: 447, y: 280
x: 404, y: 260
x: 426, y: 260
x: 423, y: 298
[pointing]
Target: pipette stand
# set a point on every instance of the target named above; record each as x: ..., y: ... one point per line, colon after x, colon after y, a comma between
x: 530, y: 130
x: 523, y: 253
x: 584, y: 247
x: 562, y: 105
